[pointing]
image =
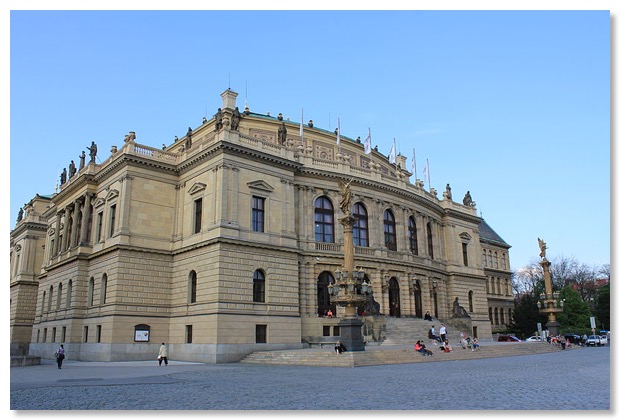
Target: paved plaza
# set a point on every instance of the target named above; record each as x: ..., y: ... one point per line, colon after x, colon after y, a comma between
x: 565, y: 380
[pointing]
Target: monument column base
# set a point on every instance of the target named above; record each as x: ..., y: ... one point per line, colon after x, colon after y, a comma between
x: 351, y: 334
x: 553, y: 327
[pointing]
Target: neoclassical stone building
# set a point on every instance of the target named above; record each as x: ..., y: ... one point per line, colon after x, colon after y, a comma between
x: 225, y: 242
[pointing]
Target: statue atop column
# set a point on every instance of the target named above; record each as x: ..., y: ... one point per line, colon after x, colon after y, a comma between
x: 218, y: 119
x: 543, y: 249
x: 345, y: 202
x: 82, y: 159
x: 236, y: 117
x: 72, y: 170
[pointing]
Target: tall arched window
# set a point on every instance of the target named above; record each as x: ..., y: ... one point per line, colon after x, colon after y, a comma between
x: 59, y: 296
x: 484, y: 257
x: 43, y: 303
x: 389, y: 230
x: 323, y: 220
x: 413, y: 236
x: 192, y: 285
x: 429, y: 240
x: 502, y: 320
x: 69, y: 294
x: 360, y: 229
x: 258, y: 286
x: 103, y: 294
x: 496, y: 312
x: 491, y: 315
x: 49, y: 301
x: 91, y: 291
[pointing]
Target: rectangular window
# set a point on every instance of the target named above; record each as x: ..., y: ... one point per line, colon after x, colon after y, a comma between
x: 464, y: 255
x: 336, y: 331
x: 112, y: 220
x: 261, y: 333
x: 188, y: 334
x: 98, y: 333
x: 63, y: 338
x: 258, y: 214
x: 99, y: 226
x: 197, y: 215
x: 326, y: 330
x: 45, y: 335
x: 54, y: 335
x: 86, y: 334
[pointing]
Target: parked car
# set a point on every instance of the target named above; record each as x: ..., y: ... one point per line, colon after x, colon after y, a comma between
x: 603, y: 340
x: 534, y: 338
x: 573, y: 338
x: 596, y: 340
x: 505, y: 338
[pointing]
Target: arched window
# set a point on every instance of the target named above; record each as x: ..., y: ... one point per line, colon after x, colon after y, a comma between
x: 49, y: 301
x: 389, y: 230
x: 323, y: 220
x: 484, y: 257
x: 59, y: 296
x: 91, y: 291
x: 491, y: 315
x: 258, y: 286
x: 429, y: 239
x: 470, y: 296
x: 360, y: 229
x: 502, y: 321
x: 104, y: 289
x: 43, y: 303
x: 69, y: 294
x: 192, y: 285
x: 496, y: 316
x: 413, y: 236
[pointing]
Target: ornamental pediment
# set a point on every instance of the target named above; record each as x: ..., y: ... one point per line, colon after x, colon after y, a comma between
x: 197, y: 187
x: 465, y: 236
x: 112, y: 194
x: 260, y: 185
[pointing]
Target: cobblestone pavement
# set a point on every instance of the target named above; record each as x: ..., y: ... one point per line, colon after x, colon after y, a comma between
x: 567, y: 380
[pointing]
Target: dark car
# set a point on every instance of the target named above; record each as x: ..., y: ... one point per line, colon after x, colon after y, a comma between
x: 573, y: 338
x: 506, y: 338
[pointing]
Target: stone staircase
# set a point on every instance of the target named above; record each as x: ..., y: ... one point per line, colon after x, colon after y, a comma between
x: 384, y: 355
x: 406, y: 331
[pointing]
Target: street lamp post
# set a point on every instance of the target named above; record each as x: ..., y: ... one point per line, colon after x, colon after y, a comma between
x: 548, y: 301
x: 350, y: 289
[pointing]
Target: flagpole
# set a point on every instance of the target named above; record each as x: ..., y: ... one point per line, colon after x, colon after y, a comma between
x: 429, y: 174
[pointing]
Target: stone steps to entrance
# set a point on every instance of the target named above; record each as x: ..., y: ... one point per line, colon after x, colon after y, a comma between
x: 383, y: 355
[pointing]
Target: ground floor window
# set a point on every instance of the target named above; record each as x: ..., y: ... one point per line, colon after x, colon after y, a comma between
x: 261, y: 333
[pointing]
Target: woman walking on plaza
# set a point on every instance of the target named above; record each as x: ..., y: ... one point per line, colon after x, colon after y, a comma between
x: 163, y: 354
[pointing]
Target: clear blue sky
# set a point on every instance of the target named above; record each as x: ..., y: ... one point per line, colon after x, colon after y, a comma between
x: 513, y: 106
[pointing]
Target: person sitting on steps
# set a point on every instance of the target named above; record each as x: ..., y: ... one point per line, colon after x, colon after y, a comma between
x: 420, y: 347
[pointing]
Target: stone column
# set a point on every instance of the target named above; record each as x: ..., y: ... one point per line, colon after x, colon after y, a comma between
x: 56, y: 235
x: 125, y: 205
x: 86, y: 215
x: 65, y: 229
x: 78, y: 218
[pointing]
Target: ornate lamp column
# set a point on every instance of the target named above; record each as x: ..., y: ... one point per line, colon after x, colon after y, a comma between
x: 548, y: 302
x: 349, y: 281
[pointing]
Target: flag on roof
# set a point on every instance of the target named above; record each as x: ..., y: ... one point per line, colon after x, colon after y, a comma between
x: 392, y: 155
x: 367, y: 143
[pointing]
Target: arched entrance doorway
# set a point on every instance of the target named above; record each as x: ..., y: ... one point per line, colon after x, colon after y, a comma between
x: 417, y: 299
x: 394, y: 297
x: 323, y: 302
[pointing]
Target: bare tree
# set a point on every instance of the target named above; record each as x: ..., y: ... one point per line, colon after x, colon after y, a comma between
x: 562, y: 271
x: 605, y: 272
x: 525, y: 279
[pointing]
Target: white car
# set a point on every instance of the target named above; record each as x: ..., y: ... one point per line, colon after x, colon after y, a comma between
x: 596, y: 340
x: 534, y: 338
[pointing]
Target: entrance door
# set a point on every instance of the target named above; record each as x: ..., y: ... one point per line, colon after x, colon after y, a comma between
x: 417, y: 298
x: 323, y: 302
x: 394, y: 297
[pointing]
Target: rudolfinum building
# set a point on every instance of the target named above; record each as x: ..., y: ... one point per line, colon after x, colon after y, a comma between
x: 226, y: 241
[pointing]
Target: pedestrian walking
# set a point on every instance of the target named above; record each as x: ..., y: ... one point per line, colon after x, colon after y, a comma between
x: 60, y: 356
x: 163, y: 354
